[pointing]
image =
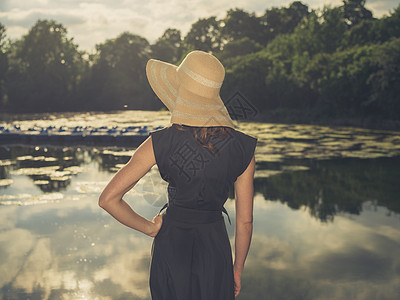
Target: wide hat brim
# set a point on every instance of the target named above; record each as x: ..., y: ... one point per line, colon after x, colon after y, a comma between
x: 186, y: 107
x: 163, y: 80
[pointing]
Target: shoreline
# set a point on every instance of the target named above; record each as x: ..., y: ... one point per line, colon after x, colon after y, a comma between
x: 273, y: 117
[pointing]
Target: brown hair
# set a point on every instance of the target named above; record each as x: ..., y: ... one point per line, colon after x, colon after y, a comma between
x: 203, y: 134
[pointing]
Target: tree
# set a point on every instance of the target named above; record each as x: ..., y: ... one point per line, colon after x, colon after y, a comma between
x: 295, y: 13
x: 372, y: 31
x: 363, y: 33
x: 247, y: 76
x: 321, y: 31
x: 390, y: 25
x: 385, y: 81
x: 239, y: 47
x: 173, y: 36
x: 360, y: 81
x: 332, y: 29
x: 284, y: 20
x: 45, y: 67
x: 355, y: 12
x: 118, y: 75
x: 168, y: 47
x: 3, y: 64
x: 204, y: 35
x: 239, y: 24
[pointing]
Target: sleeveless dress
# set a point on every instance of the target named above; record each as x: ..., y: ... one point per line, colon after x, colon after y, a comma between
x: 191, y: 256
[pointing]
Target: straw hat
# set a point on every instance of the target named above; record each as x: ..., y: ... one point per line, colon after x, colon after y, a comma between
x: 190, y: 91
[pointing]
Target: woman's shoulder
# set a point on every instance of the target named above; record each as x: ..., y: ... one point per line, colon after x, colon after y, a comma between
x: 243, y: 137
x: 160, y: 130
x: 166, y: 134
x: 245, y: 143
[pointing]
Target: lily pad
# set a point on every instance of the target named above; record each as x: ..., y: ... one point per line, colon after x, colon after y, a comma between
x: 6, y: 182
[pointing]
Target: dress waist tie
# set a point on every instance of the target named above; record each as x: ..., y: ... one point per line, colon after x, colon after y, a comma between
x: 176, y: 209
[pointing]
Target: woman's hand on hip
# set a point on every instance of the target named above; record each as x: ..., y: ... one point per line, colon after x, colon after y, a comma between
x: 156, y: 225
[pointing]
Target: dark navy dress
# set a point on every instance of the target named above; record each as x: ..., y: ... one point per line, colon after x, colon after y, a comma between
x: 191, y: 256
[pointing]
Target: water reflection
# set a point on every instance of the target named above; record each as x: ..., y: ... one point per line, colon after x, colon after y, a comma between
x: 325, y: 188
x: 294, y: 257
x: 51, y: 168
x: 324, y: 229
x: 322, y: 187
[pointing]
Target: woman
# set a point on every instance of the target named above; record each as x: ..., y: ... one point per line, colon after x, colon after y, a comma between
x: 201, y: 155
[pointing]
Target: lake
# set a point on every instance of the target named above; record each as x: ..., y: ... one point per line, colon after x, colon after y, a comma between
x: 326, y: 213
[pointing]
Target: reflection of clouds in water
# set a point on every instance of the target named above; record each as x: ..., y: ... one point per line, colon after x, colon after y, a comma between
x: 92, y: 255
x: 389, y: 232
x: 129, y: 271
x: 73, y: 249
x: 151, y: 188
x: 15, y: 243
x: 295, y: 257
x: 350, y: 264
x: 271, y: 253
x: 353, y: 273
x: 88, y: 250
x: 38, y: 267
x: 8, y: 218
x: 76, y: 253
x: 89, y: 187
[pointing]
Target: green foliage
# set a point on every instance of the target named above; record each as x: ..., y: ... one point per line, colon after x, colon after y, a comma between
x: 168, y: 47
x: 361, y: 34
x: 239, y: 24
x: 385, y: 80
x: 247, y: 76
x: 2, y: 38
x: 355, y: 12
x: 204, y: 35
x: 340, y: 80
x: 358, y: 81
x: 284, y: 20
x: 309, y: 70
x: 322, y: 31
x: 238, y: 48
x: 44, y: 69
x: 117, y: 78
x: 3, y: 64
x: 372, y: 31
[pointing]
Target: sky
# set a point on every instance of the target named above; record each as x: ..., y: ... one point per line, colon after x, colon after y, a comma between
x: 91, y: 22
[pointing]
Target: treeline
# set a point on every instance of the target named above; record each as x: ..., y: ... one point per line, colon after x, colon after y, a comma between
x: 330, y: 62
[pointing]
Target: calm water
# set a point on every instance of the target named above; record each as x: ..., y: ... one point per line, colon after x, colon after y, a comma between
x: 326, y: 217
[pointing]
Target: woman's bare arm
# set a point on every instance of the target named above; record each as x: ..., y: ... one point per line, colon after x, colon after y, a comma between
x: 244, y: 219
x: 125, y: 179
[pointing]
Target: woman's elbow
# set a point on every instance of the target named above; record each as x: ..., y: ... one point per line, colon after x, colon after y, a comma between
x: 247, y: 223
x: 104, y: 201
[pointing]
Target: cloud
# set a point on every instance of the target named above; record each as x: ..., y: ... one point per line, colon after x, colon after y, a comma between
x: 91, y: 22
x: 381, y: 7
x: 27, y: 18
